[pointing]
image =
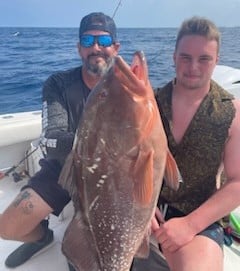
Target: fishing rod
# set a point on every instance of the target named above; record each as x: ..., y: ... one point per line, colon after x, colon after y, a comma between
x: 116, y: 9
x: 17, y: 176
x: 115, y: 12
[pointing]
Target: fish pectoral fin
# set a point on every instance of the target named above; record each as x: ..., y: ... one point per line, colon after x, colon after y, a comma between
x: 172, y: 174
x: 144, y: 248
x: 143, y: 177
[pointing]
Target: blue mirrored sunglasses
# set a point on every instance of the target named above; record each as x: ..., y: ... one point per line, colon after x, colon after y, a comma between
x: 102, y: 40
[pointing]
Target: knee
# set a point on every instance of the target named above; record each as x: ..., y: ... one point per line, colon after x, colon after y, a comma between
x: 9, y: 229
x: 6, y: 236
x: 8, y: 232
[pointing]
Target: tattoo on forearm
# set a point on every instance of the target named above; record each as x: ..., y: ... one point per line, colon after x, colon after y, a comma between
x: 25, y: 200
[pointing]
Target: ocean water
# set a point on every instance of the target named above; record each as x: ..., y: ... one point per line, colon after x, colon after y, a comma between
x: 29, y: 55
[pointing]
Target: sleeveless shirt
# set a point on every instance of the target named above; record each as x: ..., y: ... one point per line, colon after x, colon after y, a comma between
x: 199, y: 154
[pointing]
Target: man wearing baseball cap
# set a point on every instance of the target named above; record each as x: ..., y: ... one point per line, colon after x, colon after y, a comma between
x: 64, y: 95
x: 98, y: 21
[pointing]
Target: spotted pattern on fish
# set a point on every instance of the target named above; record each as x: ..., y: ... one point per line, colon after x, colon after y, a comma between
x: 92, y: 168
x: 114, y: 172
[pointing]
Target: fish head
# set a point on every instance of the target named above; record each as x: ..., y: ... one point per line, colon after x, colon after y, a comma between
x: 123, y: 103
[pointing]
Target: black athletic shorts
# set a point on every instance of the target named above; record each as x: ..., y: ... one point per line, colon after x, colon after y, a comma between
x: 45, y: 184
x: 214, y: 231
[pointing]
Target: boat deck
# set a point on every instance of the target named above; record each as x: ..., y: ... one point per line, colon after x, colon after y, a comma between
x: 51, y: 258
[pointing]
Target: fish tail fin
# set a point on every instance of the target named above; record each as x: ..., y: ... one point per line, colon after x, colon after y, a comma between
x: 172, y: 174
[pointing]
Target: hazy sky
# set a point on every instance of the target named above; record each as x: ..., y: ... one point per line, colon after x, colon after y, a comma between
x: 131, y: 13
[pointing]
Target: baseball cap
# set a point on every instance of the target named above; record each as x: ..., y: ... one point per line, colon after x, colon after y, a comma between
x: 98, y: 21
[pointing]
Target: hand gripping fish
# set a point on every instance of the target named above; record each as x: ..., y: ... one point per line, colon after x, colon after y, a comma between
x: 115, y: 170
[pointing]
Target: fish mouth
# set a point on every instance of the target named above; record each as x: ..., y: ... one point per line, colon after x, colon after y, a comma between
x: 135, y: 76
x: 139, y: 66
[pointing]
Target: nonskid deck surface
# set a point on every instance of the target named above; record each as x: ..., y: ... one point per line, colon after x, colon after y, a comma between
x: 51, y: 258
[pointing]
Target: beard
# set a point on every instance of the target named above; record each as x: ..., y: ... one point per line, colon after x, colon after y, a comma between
x: 98, y: 68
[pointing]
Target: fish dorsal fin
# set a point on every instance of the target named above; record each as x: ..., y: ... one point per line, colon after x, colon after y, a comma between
x: 143, y: 177
x: 172, y: 175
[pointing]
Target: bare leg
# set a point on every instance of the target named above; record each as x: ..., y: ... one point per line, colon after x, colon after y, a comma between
x: 20, y: 221
x: 200, y: 254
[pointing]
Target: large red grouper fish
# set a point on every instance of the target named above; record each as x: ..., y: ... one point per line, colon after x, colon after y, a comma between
x: 114, y: 172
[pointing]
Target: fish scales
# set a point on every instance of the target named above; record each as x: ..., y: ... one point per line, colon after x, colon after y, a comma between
x: 114, y: 172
